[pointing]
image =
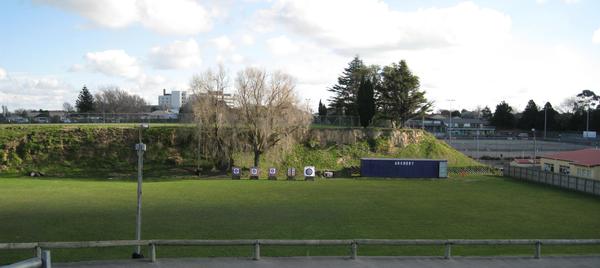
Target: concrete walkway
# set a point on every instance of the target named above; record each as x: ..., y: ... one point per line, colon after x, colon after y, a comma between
x: 334, y: 262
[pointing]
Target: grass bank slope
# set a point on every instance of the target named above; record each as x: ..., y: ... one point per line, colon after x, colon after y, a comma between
x: 477, y: 207
x: 107, y: 150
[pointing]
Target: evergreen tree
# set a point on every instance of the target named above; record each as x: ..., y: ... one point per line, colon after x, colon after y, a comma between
x: 399, y: 96
x: 85, y: 101
x: 551, y: 117
x: 529, y: 117
x: 503, y: 117
x: 322, y: 109
x: 366, y: 101
x: 346, y: 89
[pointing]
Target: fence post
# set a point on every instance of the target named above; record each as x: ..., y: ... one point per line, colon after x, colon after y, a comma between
x: 448, y: 251
x: 538, y: 250
x: 152, y: 252
x: 46, y: 259
x: 560, y: 180
x: 520, y: 173
x: 38, y: 251
x: 354, y: 250
x: 256, y: 256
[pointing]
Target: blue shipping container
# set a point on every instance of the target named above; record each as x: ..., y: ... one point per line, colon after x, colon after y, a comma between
x: 403, y: 168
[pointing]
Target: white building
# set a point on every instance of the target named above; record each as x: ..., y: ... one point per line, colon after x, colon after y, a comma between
x: 172, y: 101
x: 227, y: 98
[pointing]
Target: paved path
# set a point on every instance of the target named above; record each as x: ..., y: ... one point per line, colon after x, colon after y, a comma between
x: 334, y: 262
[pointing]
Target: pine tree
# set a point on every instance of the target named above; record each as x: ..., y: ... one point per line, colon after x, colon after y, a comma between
x: 550, y: 117
x: 529, y: 117
x: 322, y: 109
x: 85, y: 101
x: 399, y: 96
x: 503, y: 117
x: 366, y: 101
x: 346, y: 89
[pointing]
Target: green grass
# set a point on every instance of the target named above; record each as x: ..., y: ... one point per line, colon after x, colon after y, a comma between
x: 471, y: 207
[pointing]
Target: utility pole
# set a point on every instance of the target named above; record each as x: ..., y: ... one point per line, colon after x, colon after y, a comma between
x: 587, y: 124
x: 450, y: 127
x: 534, y: 146
x: 545, y: 118
x: 140, y: 148
x: 478, y: 130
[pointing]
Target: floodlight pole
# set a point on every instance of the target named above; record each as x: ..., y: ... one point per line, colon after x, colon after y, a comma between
x: 140, y: 148
x: 545, y: 119
x: 534, y: 146
x: 450, y: 132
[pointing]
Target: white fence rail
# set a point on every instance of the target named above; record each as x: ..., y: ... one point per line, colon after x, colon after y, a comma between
x: 353, y: 244
x: 585, y: 185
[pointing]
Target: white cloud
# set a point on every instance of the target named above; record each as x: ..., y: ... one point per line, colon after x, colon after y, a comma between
x: 113, y: 63
x: 184, y: 17
x: 237, y: 58
x: 3, y: 74
x: 387, y: 29
x: 247, y: 39
x: 596, y: 37
x: 223, y: 43
x: 281, y: 45
x: 177, y: 55
x: 34, y: 92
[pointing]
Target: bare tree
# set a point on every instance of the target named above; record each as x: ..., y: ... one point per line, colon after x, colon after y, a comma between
x: 269, y: 109
x: 217, y: 123
x: 116, y: 100
x: 68, y: 107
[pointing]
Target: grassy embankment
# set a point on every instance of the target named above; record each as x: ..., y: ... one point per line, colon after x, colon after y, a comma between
x: 101, y: 151
x: 469, y: 207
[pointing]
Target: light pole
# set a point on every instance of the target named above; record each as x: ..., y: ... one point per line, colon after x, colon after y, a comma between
x: 587, y: 123
x: 545, y: 118
x: 450, y: 115
x: 534, y: 146
x: 140, y: 148
x: 478, y: 130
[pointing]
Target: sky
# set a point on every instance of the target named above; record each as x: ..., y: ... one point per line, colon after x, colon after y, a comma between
x: 467, y: 54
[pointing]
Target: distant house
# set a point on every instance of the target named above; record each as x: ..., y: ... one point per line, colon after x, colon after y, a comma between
x: 581, y: 163
x: 519, y: 162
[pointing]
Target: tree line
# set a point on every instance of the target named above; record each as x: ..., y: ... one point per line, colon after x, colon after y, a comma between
x: 107, y: 100
x: 377, y: 94
x: 572, y: 115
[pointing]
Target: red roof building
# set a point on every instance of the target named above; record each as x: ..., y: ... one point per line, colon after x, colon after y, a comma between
x: 585, y: 157
x: 581, y: 163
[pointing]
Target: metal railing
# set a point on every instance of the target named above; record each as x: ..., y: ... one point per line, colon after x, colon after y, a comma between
x: 353, y: 244
x: 42, y: 260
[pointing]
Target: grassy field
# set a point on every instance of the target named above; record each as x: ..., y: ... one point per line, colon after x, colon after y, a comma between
x: 469, y: 207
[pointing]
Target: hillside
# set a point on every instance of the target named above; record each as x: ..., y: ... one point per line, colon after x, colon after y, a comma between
x: 87, y: 150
